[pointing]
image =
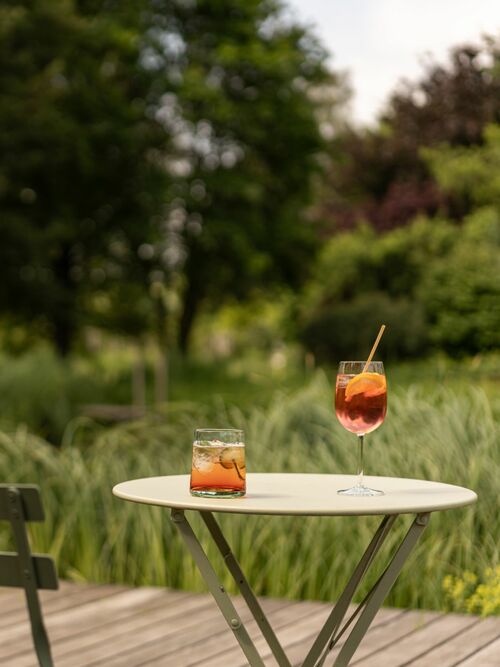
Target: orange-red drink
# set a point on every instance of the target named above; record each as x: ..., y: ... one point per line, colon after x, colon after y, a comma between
x: 218, y: 467
x: 361, y: 401
x: 360, y: 405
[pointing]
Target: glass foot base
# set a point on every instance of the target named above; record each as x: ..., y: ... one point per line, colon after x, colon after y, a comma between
x: 360, y: 491
x: 216, y: 493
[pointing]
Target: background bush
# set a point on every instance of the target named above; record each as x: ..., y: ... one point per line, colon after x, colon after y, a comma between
x: 435, y: 284
x: 348, y: 330
x: 461, y: 292
x: 41, y: 390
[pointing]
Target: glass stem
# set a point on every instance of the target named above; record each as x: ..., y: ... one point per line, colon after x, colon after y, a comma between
x: 360, y: 461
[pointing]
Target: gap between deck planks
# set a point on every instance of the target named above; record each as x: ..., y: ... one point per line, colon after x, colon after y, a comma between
x: 115, y: 626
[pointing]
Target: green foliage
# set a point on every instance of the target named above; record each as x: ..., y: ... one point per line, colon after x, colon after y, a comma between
x: 44, y: 392
x: 78, y: 185
x: 362, y: 280
x: 353, y: 263
x: 246, y: 89
x: 48, y: 394
x: 140, y: 141
x: 434, y: 284
x: 471, y: 173
x: 96, y: 537
x: 258, y: 325
x: 348, y: 329
x: 461, y: 292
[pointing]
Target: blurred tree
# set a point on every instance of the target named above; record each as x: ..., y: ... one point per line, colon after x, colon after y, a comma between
x: 79, y: 180
x: 380, y: 176
x: 249, y: 89
x: 144, y: 141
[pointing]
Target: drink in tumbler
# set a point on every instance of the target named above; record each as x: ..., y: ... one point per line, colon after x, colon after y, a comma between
x: 218, y: 469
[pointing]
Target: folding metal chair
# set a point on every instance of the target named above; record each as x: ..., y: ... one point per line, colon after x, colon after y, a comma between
x: 20, y: 503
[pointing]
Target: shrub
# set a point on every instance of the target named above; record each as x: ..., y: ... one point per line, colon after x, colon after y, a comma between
x: 44, y: 392
x: 461, y: 292
x: 432, y: 282
x: 362, y: 280
x: 347, y: 330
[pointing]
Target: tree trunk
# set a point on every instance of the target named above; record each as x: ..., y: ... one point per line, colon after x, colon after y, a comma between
x: 64, y: 332
x: 161, y: 376
x: 192, y: 298
x: 139, y: 380
x: 63, y: 316
x: 161, y: 362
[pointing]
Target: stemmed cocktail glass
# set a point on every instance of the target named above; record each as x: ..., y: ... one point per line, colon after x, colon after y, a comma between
x: 360, y: 405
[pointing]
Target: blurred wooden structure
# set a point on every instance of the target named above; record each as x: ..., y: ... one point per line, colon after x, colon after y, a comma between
x: 112, y: 413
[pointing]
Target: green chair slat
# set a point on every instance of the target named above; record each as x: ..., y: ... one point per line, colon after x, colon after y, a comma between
x: 11, y: 574
x: 30, y: 498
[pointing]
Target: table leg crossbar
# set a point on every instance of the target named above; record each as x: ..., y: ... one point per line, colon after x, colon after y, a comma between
x: 372, y: 602
x: 332, y: 630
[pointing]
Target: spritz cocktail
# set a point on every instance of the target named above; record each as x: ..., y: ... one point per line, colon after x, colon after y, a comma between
x: 360, y: 406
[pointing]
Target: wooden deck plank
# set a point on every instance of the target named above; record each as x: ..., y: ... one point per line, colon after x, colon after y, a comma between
x: 296, y: 632
x: 312, y: 614
x: 380, y: 638
x: 417, y: 643
x: 488, y: 656
x: 299, y: 635
x: 297, y: 650
x: 162, y: 627
x: 81, y: 619
x: 450, y: 653
x: 205, y: 635
x: 15, y: 600
x: 10, y: 596
x: 54, y: 605
x: 192, y: 615
x: 115, y: 626
x: 122, y: 633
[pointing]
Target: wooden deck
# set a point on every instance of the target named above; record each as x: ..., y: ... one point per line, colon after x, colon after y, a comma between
x: 116, y: 626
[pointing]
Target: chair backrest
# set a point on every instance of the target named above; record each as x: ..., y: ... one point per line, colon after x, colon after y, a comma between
x: 20, y: 503
x: 30, y: 498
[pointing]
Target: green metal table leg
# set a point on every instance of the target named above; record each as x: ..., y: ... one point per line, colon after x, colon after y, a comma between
x: 379, y: 592
x: 218, y: 591
x: 335, y: 619
x: 247, y: 593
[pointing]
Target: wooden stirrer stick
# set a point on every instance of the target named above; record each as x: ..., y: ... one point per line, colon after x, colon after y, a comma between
x: 375, y: 345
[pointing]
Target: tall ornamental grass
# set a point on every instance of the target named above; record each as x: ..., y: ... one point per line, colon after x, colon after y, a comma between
x: 95, y: 537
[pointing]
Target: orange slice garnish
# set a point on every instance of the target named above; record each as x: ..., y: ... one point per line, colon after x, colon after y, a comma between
x: 370, y: 384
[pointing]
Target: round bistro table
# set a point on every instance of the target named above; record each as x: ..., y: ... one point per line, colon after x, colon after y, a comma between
x: 303, y: 495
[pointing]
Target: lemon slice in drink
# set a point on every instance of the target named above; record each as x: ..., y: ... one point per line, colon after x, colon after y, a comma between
x: 369, y: 384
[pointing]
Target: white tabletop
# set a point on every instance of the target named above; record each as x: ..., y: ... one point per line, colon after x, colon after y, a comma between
x: 302, y: 494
